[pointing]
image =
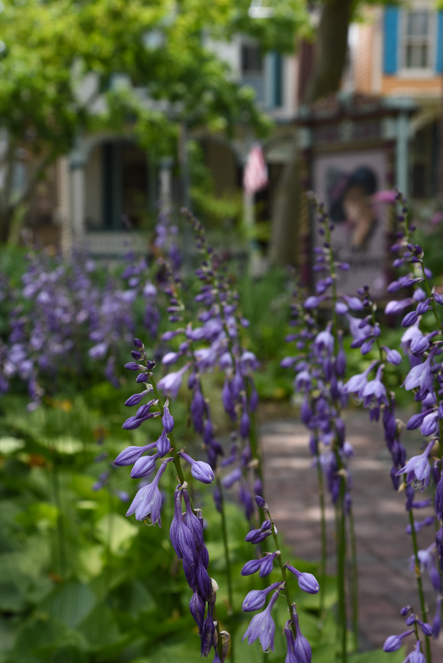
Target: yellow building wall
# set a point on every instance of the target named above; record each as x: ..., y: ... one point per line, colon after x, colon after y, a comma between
x: 396, y: 85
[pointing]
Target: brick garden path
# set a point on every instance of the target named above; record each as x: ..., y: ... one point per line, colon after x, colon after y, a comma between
x: 383, y: 548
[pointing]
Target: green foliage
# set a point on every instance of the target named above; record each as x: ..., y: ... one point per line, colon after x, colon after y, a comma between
x: 81, y: 583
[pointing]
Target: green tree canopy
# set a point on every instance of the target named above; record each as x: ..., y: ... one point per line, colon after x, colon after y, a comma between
x: 59, y: 59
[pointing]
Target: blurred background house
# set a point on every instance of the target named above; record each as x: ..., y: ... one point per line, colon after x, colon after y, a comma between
x: 395, y: 53
x: 398, y: 53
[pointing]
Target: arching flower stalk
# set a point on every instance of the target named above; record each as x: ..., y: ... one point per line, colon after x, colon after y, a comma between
x: 320, y: 366
x: 262, y: 626
x: 424, y: 379
x: 186, y: 530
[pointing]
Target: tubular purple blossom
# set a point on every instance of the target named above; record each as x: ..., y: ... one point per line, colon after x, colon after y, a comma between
x: 199, y: 469
x: 262, y: 627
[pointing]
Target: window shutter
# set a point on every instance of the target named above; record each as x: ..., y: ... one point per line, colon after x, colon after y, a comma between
x: 390, y: 55
x: 278, y: 80
x: 273, y: 80
x: 439, y: 44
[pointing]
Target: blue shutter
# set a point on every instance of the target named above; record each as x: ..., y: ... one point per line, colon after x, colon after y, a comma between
x: 439, y: 44
x: 390, y: 55
x: 278, y: 80
x: 273, y: 80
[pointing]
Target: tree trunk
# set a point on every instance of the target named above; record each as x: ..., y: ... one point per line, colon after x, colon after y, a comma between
x: 332, y: 47
x: 330, y: 61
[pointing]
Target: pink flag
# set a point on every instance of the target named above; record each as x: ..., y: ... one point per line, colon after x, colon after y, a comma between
x: 255, y: 176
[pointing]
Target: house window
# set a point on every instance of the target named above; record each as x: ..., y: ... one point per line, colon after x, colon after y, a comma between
x: 417, y: 39
x: 251, y: 60
x: 253, y: 69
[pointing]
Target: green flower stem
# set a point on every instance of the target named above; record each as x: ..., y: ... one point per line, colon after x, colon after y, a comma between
x: 341, y: 567
x: 341, y: 521
x: 419, y: 583
x: 283, y: 573
x: 354, y: 580
x: 225, y: 545
x: 324, y: 551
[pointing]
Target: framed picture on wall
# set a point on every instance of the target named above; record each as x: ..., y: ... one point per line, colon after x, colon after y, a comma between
x: 347, y: 183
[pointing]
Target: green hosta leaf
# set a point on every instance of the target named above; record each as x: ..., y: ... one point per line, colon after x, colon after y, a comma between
x: 12, y: 599
x: 8, y: 445
x: 69, y: 655
x: 117, y: 532
x: 134, y: 598
x: 8, y: 632
x: 70, y: 602
x: 41, y: 514
x: 90, y: 560
x: 100, y: 628
x: 42, y: 636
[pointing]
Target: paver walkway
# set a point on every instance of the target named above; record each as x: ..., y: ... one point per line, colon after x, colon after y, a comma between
x: 383, y: 547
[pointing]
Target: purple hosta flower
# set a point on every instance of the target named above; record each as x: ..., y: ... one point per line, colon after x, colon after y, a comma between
x: 122, y: 495
x: 259, y: 535
x: 163, y: 445
x: 262, y: 626
x: 245, y: 497
x: 253, y: 399
x: 392, y: 356
x: 374, y: 394
x: 300, y: 646
x: 410, y: 334
x: 102, y: 480
x: 287, y: 362
x: 197, y: 408
x: 357, y: 383
x: 313, y: 302
x: 417, y: 419
x: 424, y: 558
x: 229, y: 479
x: 341, y: 308
x: 135, y: 422
x: 340, y: 360
x: 129, y: 455
x: 207, y: 635
x: 420, y: 344
x: 171, y: 383
x: 394, y: 642
x: 306, y: 581
x: 430, y: 423
x: 197, y: 608
x: 418, y: 526
x: 182, y: 538
x: 416, y: 656
x: 265, y: 564
x: 199, y: 469
x: 245, y: 423
x: 324, y: 342
x: 417, y: 469
x: 144, y: 466
x: 147, y: 502
x: 354, y: 303
x: 228, y: 399
x: 436, y: 622
x: 302, y: 381
x: 421, y: 376
x: 409, y: 319
x: 167, y: 419
x: 394, y: 307
x: 256, y: 599
x: 434, y: 577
